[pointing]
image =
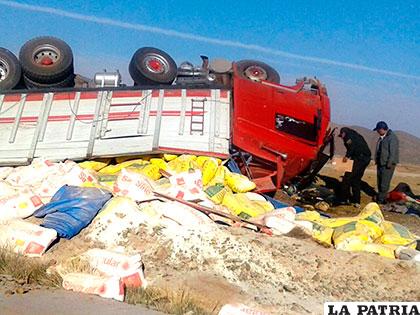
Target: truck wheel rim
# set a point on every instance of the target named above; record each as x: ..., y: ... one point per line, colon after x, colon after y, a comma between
x: 256, y: 73
x: 46, y: 55
x: 156, y: 64
x: 4, y: 69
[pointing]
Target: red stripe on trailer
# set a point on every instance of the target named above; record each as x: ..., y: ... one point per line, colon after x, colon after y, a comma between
x: 198, y: 93
x: 29, y: 97
x: 172, y: 93
x: 182, y: 151
x: 111, y: 116
x: 64, y: 96
x: 12, y: 98
x: 89, y: 95
x: 127, y: 104
x: 34, y: 97
x: 135, y: 93
x: 135, y: 115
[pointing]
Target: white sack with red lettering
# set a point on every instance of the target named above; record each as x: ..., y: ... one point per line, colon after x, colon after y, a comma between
x: 20, y: 205
x: 187, y: 186
x: 26, y: 238
x: 104, y: 286
x: 240, y: 309
x: 32, y: 175
x: 128, y: 267
x: 133, y: 185
x: 185, y: 215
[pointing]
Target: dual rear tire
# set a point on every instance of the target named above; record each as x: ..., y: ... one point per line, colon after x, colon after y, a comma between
x: 256, y: 71
x: 47, y: 62
x: 10, y: 70
x: 151, y: 66
x: 44, y: 62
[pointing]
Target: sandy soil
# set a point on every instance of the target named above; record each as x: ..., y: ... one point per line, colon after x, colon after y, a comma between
x: 289, y: 274
x: 409, y: 174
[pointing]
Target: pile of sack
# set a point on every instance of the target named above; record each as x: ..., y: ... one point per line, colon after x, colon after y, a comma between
x: 368, y: 232
x: 108, y: 197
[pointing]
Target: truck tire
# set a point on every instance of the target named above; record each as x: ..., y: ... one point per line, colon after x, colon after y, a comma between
x: 67, y: 82
x: 46, y: 60
x: 256, y: 71
x: 10, y: 70
x: 152, y: 66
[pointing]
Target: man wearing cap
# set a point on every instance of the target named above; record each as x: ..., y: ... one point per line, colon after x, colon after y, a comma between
x: 386, y: 158
x: 357, y: 150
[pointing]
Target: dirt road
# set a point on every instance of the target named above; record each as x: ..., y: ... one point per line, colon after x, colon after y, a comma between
x: 53, y: 302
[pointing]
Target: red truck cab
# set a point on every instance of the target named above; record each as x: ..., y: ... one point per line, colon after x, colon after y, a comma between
x: 284, y: 128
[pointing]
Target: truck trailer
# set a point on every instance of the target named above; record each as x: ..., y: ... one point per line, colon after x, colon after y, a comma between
x: 238, y: 110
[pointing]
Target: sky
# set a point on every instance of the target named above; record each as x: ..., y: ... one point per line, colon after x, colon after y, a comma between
x: 366, y: 52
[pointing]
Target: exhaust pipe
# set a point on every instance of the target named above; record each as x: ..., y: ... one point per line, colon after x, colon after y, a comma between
x: 205, y: 63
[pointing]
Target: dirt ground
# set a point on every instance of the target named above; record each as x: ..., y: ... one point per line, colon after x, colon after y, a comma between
x: 288, y: 274
x: 409, y: 174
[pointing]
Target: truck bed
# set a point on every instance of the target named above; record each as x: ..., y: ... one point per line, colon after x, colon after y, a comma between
x: 107, y: 122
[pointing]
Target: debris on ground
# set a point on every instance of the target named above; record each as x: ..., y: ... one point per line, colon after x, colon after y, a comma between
x: 191, y: 213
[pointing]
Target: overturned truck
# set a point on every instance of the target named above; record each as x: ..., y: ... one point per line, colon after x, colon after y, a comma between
x: 276, y: 133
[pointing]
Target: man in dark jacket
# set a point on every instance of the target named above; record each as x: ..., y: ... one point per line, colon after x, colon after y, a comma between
x: 386, y: 158
x: 358, y: 151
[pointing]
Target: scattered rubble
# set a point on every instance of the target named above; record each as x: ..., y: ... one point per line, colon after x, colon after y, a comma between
x: 140, y: 238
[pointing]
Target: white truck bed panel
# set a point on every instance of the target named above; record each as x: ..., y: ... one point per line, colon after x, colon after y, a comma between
x: 87, y: 124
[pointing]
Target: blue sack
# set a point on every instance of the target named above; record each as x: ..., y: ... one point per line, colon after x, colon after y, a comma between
x: 278, y: 204
x: 72, y: 208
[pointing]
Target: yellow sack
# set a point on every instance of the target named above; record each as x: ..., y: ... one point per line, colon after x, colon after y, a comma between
x: 122, y: 159
x: 336, y: 222
x: 209, y: 170
x: 216, y: 193
x: 169, y: 157
x: 107, y: 180
x: 183, y: 163
x: 380, y: 249
x: 312, y: 216
x: 95, y: 185
x: 94, y: 165
x: 372, y: 213
x: 188, y: 157
x: 351, y: 235
x: 159, y: 163
x: 163, y: 183
x: 397, y: 234
x: 202, y: 159
x: 149, y: 170
x: 315, y: 217
x: 242, y: 206
x: 322, y: 234
x: 114, y: 169
x: 239, y: 183
x: 219, y: 177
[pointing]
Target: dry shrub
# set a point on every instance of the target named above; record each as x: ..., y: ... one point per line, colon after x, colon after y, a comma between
x: 30, y: 270
x: 171, y: 302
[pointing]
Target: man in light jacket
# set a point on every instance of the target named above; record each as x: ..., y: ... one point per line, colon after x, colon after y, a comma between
x: 386, y: 158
